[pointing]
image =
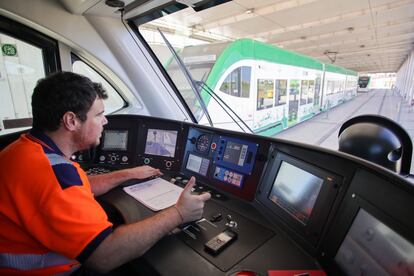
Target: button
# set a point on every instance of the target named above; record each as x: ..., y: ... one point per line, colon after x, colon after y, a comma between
x: 124, y: 158
x: 216, y: 217
x: 168, y: 164
x: 147, y: 161
x: 101, y: 158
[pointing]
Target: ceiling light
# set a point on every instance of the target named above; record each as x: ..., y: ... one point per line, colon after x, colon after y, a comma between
x: 249, y: 11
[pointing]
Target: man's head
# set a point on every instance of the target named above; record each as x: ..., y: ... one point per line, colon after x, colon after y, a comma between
x: 72, y: 103
x: 59, y: 93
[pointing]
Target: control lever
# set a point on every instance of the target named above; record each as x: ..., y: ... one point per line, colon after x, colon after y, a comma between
x: 231, y: 224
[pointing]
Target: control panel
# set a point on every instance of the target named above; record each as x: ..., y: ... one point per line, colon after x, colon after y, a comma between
x: 226, y: 162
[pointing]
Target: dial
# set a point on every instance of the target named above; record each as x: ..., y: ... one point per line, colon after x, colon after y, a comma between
x: 203, y: 143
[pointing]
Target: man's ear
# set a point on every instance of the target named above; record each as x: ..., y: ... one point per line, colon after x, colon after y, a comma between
x: 69, y: 121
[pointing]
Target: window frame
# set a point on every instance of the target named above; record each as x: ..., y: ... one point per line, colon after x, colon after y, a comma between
x: 49, y: 46
x: 75, y: 58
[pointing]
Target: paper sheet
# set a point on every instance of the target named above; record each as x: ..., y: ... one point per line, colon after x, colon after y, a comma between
x: 156, y: 194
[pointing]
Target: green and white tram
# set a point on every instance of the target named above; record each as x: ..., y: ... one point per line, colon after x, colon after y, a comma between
x: 269, y: 88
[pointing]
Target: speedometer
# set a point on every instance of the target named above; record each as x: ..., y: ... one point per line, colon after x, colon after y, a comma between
x: 203, y: 143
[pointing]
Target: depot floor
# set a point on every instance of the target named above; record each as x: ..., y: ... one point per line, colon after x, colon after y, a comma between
x: 322, y: 130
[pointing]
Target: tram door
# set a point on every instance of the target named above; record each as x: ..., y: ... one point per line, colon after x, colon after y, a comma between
x: 294, y: 91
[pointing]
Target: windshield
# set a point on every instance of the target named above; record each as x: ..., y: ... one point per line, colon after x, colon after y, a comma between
x: 269, y: 66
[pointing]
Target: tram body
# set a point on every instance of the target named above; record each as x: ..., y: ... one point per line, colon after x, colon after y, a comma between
x: 269, y: 88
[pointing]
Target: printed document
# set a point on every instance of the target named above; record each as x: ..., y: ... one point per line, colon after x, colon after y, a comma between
x: 156, y: 194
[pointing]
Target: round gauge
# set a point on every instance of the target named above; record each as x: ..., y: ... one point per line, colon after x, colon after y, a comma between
x: 203, y: 143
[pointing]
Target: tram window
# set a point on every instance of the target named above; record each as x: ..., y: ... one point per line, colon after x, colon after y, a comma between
x: 304, y: 94
x: 225, y: 86
x: 237, y: 83
x: 311, y: 91
x: 246, y: 73
x: 280, y: 88
x: 265, y: 91
x: 294, y: 89
x: 114, y: 101
x: 330, y: 86
x: 25, y: 54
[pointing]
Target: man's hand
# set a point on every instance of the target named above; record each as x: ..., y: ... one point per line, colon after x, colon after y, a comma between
x: 143, y: 172
x: 191, y: 206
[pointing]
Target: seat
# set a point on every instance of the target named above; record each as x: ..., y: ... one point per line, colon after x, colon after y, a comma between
x: 379, y: 140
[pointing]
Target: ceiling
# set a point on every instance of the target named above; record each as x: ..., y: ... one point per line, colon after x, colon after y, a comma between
x: 368, y: 36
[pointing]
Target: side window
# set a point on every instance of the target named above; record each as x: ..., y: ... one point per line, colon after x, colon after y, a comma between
x: 246, y: 73
x: 225, y: 86
x: 26, y: 56
x: 281, y: 88
x: 311, y: 91
x: 265, y: 91
x: 304, y: 94
x: 114, y: 101
x: 237, y: 83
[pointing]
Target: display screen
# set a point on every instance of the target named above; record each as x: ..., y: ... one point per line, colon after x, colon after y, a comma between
x: 296, y: 191
x: 235, y: 153
x: 161, y: 142
x: 115, y: 140
x: 372, y: 248
x: 197, y: 164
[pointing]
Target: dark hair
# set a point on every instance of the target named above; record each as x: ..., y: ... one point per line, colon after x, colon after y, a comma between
x: 59, y: 93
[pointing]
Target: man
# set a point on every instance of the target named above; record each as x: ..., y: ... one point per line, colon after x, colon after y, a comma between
x: 50, y: 221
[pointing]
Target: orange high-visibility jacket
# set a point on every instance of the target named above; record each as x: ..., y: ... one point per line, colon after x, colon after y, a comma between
x: 49, y: 219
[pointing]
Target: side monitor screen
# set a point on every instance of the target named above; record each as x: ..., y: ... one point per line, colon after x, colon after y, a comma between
x: 295, y: 190
x: 161, y: 142
x: 372, y: 248
x: 115, y: 140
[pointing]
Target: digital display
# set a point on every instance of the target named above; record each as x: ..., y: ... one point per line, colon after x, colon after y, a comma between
x: 295, y: 190
x: 372, y: 248
x: 161, y: 142
x: 115, y: 140
x: 197, y: 164
x: 235, y: 153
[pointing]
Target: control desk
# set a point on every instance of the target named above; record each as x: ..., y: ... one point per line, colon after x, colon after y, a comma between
x: 276, y: 205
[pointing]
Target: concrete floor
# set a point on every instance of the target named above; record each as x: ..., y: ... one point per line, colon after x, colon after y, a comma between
x: 322, y: 130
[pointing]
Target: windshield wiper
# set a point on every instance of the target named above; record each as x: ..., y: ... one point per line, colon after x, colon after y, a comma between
x: 189, y: 78
x: 224, y: 106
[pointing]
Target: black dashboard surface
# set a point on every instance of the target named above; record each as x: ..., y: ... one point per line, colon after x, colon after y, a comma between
x: 274, y: 190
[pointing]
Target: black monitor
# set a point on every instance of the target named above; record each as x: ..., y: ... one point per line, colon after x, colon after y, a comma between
x: 298, y: 194
x: 295, y: 190
x: 115, y: 140
x: 161, y: 142
x: 370, y: 247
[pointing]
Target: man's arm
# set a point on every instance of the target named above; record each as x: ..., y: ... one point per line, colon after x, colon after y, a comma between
x: 131, y: 241
x: 102, y: 183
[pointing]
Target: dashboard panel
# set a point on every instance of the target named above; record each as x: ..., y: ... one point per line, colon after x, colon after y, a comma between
x: 276, y: 195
